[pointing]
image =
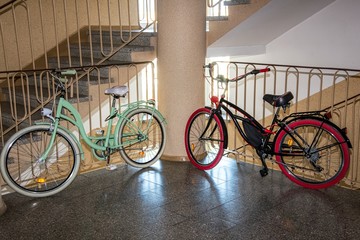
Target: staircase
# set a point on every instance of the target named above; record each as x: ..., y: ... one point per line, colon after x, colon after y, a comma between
x: 91, y: 45
x: 96, y: 48
x: 31, y: 90
x: 238, y: 11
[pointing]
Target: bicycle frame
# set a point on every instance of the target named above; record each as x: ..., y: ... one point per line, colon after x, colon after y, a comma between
x: 235, y: 117
x: 110, y: 139
x: 281, y: 124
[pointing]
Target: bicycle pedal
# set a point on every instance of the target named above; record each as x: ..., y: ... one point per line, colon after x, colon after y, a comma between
x: 111, y: 167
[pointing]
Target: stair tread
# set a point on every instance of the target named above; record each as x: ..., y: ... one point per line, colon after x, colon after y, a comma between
x: 108, y: 46
x: 141, y: 43
x: 236, y: 2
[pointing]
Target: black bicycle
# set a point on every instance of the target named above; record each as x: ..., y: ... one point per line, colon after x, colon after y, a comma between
x: 309, y: 149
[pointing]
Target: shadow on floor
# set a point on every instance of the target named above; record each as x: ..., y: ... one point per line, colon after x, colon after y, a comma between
x: 173, y: 200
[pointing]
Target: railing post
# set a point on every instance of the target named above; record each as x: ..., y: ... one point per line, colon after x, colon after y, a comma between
x: 2, y: 204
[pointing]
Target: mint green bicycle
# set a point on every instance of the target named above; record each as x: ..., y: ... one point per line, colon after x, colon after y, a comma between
x: 43, y: 159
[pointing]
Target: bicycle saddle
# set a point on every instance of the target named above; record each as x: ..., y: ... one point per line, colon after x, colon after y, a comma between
x: 278, y: 100
x: 117, y: 91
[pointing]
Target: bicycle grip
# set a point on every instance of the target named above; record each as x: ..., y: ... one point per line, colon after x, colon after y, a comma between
x: 256, y: 71
x: 210, y: 65
x: 264, y: 70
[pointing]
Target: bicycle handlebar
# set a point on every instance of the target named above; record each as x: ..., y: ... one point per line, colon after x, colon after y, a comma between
x: 256, y: 71
x: 61, y: 75
x: 67, y: 72
x: 221, y: 78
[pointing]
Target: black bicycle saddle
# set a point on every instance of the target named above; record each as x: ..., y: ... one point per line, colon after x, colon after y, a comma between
x: 278, y: 100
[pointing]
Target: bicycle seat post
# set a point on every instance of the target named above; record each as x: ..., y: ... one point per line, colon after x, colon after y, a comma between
x: 113, y: 102
x: 113, y: 112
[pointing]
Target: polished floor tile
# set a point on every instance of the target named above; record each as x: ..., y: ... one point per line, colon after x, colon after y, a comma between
x: 174, y: 200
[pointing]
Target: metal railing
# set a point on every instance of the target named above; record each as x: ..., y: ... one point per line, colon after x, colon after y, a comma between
x: 96, y: 37
x: 61, y: 33
x: 216, y: 8
x: 335, y: 90
x: 38, y: 35
x: 85, y: 92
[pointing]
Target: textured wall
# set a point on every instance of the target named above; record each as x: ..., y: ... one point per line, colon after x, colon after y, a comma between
x: 181, y: 55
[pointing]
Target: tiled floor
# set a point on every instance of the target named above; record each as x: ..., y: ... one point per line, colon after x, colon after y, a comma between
x: 176, y: 201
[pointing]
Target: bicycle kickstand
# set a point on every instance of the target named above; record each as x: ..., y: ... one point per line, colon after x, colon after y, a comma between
x: 109, y: 166
x: 265, y: 170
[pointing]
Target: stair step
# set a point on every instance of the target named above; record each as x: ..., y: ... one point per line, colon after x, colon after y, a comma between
x: 236, y: 2
x: 34, y: 101
x: 144, y: 39
x: 217, y: 18
x: 21, y: 111
x: 75, y: 61
x: 47, y: 85
x: 6, y: 114
x: 100, y: 75
x: 123, y: 55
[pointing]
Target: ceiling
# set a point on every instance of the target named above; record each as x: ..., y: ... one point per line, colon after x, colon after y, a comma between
x: 273, y: 20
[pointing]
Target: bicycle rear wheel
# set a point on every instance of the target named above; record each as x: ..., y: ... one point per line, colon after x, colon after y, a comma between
x: 204, y: 139
x: 142, y: 135
x: 319, y: 158
x: 24, y: 171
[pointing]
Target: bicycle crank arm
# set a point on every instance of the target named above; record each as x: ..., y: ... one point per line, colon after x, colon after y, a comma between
x: 317, y: 168
x: 207, y: 139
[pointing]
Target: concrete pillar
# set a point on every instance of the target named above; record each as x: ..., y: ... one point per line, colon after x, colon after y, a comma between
x: 181, y: 56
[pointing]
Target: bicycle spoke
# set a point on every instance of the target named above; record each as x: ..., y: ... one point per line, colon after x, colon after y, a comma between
x: 28, y: 172
x: 323, y: 162
x: 204, y: 139
x: 142, y: 138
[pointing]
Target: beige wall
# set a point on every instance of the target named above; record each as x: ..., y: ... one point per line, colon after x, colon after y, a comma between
x: 237, y: 14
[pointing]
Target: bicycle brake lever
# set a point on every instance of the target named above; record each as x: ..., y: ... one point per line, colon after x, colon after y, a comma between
x: 220, y: 85
x: 221, y: 78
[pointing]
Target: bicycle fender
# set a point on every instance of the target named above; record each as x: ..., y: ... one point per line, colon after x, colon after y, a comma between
x: 156, y: 112
x: 223, y: 125
x: 144, y: 106
x: 343, y: 134
x: 82, y: 155
x: 124, y: 114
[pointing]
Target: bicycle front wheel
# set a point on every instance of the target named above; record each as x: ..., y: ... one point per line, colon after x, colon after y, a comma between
x: 314, y: 156
x: 24, y: 169
x: 142, y: 137
x: 204, y: 139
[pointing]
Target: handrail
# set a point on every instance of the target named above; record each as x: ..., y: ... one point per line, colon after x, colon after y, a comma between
x: 84, y: 68
x: 295, y: 66
x: 210, y: 3
x: 216, y: 9
x: 7, y: 4
x: 339, y: 104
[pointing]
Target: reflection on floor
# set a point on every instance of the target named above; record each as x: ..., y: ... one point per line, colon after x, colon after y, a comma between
x: 176, y: 201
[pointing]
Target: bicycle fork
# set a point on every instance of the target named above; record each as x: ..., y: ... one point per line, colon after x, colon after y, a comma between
x: 45, y: 154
